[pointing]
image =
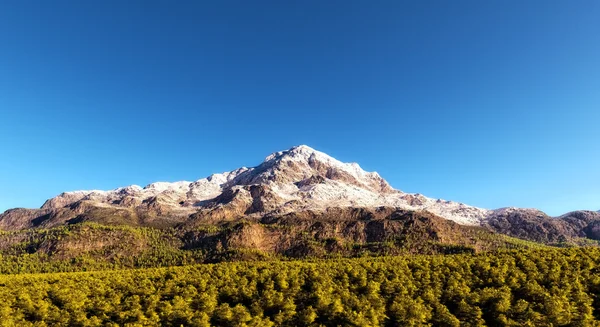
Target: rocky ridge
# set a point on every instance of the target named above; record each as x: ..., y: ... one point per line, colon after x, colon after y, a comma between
x: 300, y: 179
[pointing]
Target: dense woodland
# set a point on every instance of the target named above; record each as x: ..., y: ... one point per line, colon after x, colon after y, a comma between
x: 543, y: 287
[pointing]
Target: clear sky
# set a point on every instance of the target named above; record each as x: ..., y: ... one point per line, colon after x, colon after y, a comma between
x: 491, y: 103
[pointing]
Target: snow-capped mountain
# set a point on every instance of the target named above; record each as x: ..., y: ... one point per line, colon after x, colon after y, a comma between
x: 300, y: 178
x: 295, y: 180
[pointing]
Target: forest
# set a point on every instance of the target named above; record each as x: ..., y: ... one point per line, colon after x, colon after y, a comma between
x: 524, y: 287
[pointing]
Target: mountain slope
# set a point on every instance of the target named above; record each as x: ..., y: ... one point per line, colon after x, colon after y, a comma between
x: 535, y: 225
x: 335, y: 232
x: 298, y: 181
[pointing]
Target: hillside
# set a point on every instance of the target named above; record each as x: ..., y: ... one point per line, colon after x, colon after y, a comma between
x: 337, y: 233
x: 297, y: 203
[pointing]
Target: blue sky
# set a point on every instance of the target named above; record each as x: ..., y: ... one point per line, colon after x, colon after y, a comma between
x: 491, y: 103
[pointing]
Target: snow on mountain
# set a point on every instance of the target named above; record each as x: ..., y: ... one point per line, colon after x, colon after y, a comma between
x: 296, y: 179
x: 510, y: 210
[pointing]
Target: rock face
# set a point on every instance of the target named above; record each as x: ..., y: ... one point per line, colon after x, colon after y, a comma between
x: 535, y: 225
x: 293, y: 181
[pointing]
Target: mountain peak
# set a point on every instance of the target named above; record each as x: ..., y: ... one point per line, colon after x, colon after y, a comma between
x: 295, y: 152
x: 302, y: 147
x: 299, y: 178
x: 304, y: 153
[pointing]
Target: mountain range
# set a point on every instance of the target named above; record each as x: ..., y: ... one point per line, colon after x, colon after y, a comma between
x: 305, y: 190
